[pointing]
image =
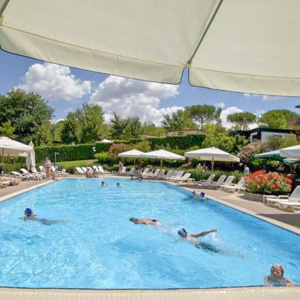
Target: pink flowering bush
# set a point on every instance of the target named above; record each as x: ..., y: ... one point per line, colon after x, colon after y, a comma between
x: 271, y: 183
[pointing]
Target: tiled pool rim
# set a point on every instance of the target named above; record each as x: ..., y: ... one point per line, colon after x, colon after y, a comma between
x: 245, y: 293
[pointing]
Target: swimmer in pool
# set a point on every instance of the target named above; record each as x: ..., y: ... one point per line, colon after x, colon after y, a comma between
x: 192, y: 239
x: 146, y: 221
x: 118, y: 184
x: 103, y: 183
x: 30, y: 216
x: 198, y: 196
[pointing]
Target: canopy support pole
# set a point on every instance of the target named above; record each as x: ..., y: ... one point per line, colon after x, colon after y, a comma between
x: 205, y: 32
x: 212, y: 163
x: 2, y: 8
x: 161, y: 163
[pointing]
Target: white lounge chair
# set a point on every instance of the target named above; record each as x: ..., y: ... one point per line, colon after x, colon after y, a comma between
x: 186, y: 178
x: 283, y: 199
x: 217, y: 184
x: 96, y: 170
x: 169, y: 174
x: 41, y: 168
x: 130, y: 172
x: 84, y: 169
x: 227, y: 182
x: 102, y: 171
x: 240, y: 186
x: 123, y: 171
x: 177, y: 176
x: 79, y: 171
x: 145, y: 171
x: 161, y: 175
x: 154, y: 174
x: 90, y: 169
x: 35, y: 171
x: 19, y: 175
x: 29, y: 175
x: 206, y: 182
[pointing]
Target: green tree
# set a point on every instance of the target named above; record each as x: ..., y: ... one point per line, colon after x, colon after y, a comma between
x: 133, y: 128
x: 6, y: 129
x: 43, y: 136
x: 275, y: 143
x: 214, y: 128
x: 118, y: 126
x: 242, y: 120
x: 56, y: 130
x: 150, y: 129
x: 90, y: 118
x: 71, y: 130
x: 26, y: 111
x: 202, y: 114
x: 278, y: 119
x: 179, y: 120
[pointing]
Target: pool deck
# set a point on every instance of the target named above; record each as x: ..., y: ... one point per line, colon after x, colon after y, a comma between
x: 290, y: 221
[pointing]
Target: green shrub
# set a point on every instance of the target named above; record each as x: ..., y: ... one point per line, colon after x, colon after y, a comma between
x: 104, y: 158
x: 66, y: 153
x: 103, y: 147
x: 199, y: 174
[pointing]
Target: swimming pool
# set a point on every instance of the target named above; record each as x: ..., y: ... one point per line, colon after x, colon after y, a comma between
x: 100, y: 249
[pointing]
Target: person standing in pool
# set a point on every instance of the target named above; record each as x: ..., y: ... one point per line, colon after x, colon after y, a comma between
x: 276, y: 277
x: 30, y: 216
x: 146, y: 221
x: 192, y: 238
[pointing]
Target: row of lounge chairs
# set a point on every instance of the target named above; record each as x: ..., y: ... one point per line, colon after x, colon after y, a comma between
x: 223, y: 183
x: 285, y: 202
x: 94, y: 169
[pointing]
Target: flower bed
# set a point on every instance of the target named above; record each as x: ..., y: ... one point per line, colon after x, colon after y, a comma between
x: 271, y: 183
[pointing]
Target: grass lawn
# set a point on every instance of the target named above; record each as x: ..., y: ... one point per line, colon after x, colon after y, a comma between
x: 77, y: 163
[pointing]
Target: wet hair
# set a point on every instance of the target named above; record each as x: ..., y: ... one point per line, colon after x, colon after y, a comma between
x: 202, y: 194
x: 182, y: 232
x: 133, y: 219
x: 28, y: 212
x: 279, y: 267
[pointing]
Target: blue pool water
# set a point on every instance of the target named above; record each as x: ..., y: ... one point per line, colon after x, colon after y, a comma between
x: 99, y: 248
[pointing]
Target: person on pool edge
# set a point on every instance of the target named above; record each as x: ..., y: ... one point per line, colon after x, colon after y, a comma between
x: 146, y: 221
x: 30, y: 216
x: 192, y: 239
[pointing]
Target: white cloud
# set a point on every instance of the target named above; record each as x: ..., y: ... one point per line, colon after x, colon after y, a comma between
x: 129, y: 97
x: 54, y: 82
x: 220, y: 105
x: 226, y: 112
x: 271, y: 98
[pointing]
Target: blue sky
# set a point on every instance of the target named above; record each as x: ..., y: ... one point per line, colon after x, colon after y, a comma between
x: 66, y: 89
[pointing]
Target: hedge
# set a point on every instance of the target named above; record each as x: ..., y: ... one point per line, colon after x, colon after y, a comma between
x: 66, y: 153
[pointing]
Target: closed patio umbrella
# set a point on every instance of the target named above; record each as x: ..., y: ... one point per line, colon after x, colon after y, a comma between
x: 212, y: 154
x: 235, y: 45
x: 105, y: 141
x: 131, y: 154
x: 30, y: 158
x: 162, y: 155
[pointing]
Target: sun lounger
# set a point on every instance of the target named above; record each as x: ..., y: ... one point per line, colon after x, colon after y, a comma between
x: 207, y: 181
x: 186, y: 178
x: 84, y: 169
x: 29, y: 175
x: 161, y: 175
x: 169, y: 174
x: 240, y: 186
x: 154, y: 174
x: 217, y: 184
x: 282, y: 199
x: 123, y: 171
x: 41, y: 174
x: 177, y: 176
x: 19, y: 175
x: 79, y: 171
x: 130, y: 172
x: 145, y: 171
x: 227, y: 182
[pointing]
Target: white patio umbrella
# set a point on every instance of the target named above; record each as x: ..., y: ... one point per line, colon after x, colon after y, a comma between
x: 30, y: 158
x: 228, y: 45
x: 212, y: 154
x: 105, y: 141
x: 291, y: 152
x: 13, y: 148
x: 131, y: 154
x: 163, y: 155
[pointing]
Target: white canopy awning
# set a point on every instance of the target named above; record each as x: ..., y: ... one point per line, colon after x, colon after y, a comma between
x: 212, y: 154
x: 291, y: 152
x: 246, y: 46
x: 162, y: 155
x: 131, y: 153
x: 13, y: 148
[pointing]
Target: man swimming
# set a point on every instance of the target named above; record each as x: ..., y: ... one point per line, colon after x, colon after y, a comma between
x: 192, y: 239
x: 146, y: 221
x: 198, y: 196
x: 30, y: 216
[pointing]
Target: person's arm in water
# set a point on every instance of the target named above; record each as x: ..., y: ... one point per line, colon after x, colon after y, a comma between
x: 203, y: 233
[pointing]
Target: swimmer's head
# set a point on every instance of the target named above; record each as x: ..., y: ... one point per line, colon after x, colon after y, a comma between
x: 28, y: 212
x: 194, y: 193
x: 118, y: 184
x: 202, y: 194
x: 134, y: 220
x: 182, y: 232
